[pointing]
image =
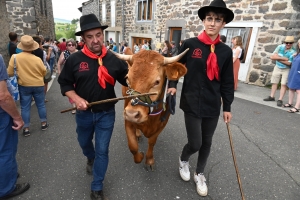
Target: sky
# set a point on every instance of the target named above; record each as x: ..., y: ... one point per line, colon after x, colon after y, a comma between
x: 67, y: 9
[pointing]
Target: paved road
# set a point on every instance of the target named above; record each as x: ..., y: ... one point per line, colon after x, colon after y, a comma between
x: 266, y: 141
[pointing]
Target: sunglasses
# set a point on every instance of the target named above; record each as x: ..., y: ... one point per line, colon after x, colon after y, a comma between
x: 288, y: 42
x: 71, y: 45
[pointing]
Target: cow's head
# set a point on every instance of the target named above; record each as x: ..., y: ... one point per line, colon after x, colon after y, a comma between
x: 147, y: 72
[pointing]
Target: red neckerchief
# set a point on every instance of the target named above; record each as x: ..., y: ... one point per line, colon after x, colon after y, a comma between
x: 212, y: 64
x: 103, y: 74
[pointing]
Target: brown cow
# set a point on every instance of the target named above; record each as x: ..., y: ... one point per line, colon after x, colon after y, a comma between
x: 148, y: 72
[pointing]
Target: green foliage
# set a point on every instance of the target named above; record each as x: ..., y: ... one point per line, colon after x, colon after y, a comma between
x: 74, y: 21
x: 65, y: 30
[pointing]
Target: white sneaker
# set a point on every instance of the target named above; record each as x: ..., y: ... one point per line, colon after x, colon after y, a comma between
x: 184, y: 170
x: 200, y: 184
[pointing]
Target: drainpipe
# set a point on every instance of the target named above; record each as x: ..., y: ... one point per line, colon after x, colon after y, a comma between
x: 123, y: 20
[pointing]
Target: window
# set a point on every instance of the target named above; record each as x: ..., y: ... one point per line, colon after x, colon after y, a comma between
x: 144, y: 10
x: 103, y: 12
x: 113, y: 13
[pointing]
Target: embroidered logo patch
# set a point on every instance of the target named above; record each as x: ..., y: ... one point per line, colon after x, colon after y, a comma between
x: 83, y: 67
x: 197, y: 53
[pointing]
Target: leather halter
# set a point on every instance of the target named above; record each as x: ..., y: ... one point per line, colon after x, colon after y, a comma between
x: 146, y: 100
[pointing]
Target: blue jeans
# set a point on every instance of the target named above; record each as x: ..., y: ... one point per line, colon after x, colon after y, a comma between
x: 26, y: 94
x: 102, y: 124
x: 51, y: 62
x: 8, y: 151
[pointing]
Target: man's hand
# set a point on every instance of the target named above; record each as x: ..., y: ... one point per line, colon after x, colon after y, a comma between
x: 81, y: 104
x: 18, y: 123
x: 171, y: 90
x: 227, y: 116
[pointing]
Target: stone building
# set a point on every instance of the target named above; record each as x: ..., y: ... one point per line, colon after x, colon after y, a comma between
x: 263, y: 24
x: 25, y: 17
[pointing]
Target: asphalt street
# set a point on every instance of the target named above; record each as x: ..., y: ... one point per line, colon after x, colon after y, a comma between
x: 266, y: 141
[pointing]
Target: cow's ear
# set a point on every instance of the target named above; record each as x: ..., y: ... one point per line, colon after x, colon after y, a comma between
x: 175, y: 70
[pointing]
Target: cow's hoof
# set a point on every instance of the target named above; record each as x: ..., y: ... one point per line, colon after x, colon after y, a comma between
x: 150, y: 167
x: 139, y: 157
x: 139, y: 139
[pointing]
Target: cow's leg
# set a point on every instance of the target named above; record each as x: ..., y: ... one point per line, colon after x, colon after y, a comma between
x: 133, y: 143
x: 149, y: 156
x: 138, y: 135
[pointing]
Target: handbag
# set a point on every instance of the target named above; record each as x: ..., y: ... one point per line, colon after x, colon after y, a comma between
x: 48, y: 72
x: 12, y: 83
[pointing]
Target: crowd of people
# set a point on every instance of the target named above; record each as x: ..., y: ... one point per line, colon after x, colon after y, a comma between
x: 87, y: 72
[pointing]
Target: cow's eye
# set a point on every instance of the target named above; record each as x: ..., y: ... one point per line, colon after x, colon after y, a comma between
x: 156, y: 82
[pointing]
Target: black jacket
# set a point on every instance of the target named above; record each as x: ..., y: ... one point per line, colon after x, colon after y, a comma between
x: 201, y: 97
x: 83, y: 72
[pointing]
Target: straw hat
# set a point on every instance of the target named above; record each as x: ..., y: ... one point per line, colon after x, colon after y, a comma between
x: 28, y: 44
x: 289, y: 39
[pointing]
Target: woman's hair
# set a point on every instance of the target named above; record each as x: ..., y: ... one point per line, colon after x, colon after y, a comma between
x: 70, y: 40
x: 168, y: 44
x: 239, y: 41
x: 297, y: 47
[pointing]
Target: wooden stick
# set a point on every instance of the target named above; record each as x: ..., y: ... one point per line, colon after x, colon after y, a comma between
x: 234, y: 161
x: 112, y: 100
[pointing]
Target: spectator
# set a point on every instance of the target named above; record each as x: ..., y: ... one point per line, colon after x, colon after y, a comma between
x: 136, y: 48
x: 167, y: 48
x: 125, y: 47
x: 111, y: 41
x: 39, y: 52
x: 31, y: 72
x: 207, y: 82
x: 51, y: 53
x: 237, y: 43
x: 294, y: 82
x: 63, y: 45
x: 10, y: 121
x: 12, y: 44
x: 174, y: 50
x: 180, y: 43
x: 283, y: 55
x: 96, y: 121
x: 115, y: 49
x: 223, y: 38
x: 145, y: 45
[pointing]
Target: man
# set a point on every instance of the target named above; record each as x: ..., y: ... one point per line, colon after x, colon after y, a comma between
x: 209, y: 78
x: 10, y: 122
x: 93, y: 83
x: 283, y: 55
x: 115, y: 49
x: 145, y: 45
x: 111, y: 41
x: 223, y: 38
x: 63, y: 45
x: 12, y: 44
x: 174, y: 50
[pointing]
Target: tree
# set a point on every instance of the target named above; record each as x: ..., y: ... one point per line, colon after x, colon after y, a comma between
x: 58, y: 35
x: 70, y: 34
x: 74, y: 21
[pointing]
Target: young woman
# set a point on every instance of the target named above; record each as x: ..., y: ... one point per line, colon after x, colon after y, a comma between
x: 294, y: 82
x: 167, y: 48
x: 71, y: 48
x: 237, y: 45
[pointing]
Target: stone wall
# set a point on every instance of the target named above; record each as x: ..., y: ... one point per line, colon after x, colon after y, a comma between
x: 280, y: 18
x: 4, y: 31
x: 25, y: 17
x: 91, y: 6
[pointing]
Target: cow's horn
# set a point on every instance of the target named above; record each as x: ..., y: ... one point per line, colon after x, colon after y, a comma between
x: 168, y: 60
x: 123, y: 57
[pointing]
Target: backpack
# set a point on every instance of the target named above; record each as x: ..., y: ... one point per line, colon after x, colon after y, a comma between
x: 242, y: 55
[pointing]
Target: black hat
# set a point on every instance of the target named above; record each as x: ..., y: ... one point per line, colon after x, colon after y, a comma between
x: 220, y: 4
x: 88, y: 22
